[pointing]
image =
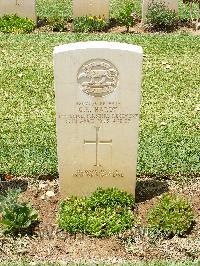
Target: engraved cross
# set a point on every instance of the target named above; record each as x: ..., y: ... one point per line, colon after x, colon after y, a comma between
x: 97, y: 142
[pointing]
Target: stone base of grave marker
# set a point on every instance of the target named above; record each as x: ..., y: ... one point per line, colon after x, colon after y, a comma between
x: 23, y: 8
x: 91, y: 8
x: 97, y: 105
x: 171, y: 4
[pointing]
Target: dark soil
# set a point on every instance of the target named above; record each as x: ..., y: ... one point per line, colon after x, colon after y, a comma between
x: 114, y: 28
x: 48, y: 243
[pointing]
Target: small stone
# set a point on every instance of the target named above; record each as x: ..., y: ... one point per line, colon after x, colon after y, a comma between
x: 50, y: 193
x: 167, y: 66
x: 43, y: 197
x: 20, y: 75
x: 163, y: 123
x: 33, y: 263
x: 197, y: 108
x: 42, y: 186
x: 196, y: 25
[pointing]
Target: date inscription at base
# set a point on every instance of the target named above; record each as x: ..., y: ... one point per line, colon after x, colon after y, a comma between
x: 98, y: 173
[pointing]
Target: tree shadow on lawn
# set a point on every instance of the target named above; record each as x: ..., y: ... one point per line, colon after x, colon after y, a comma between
x: 149, y: 188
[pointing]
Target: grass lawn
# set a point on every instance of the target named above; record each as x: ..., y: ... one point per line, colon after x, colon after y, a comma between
x: 170, y: 110
x: 63, y: 8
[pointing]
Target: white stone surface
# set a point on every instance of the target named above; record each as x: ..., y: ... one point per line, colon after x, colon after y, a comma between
x: 91, y: 8
x: 97, y: 105
x: 23, y: 8
x: 50, y: 194
x: 171, y: 4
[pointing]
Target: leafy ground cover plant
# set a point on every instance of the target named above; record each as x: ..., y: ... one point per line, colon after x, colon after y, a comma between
x: 16, y: 216
x: 172, y: 215
x: 104, y: 213
x: 16, y: 24
x: 160, y: 18
x: 52, y: 8
x: 56, y: 23
x: 89, y: 24
x: 126, y: 14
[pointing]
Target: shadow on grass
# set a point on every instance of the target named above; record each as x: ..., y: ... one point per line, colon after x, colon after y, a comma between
x: 149, y: 188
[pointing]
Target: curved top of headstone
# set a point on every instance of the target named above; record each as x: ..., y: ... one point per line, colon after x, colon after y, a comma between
x: 98, y: 45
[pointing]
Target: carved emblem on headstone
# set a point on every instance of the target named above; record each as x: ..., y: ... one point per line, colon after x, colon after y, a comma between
x: 98, y: 77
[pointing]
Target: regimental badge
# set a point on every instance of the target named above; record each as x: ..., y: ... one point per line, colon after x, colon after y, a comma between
x: 98, y: 78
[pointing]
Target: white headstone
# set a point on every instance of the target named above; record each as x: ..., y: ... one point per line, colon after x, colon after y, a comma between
x: 91, y: 8
x: 171, y: 4
x: 23, y: 8
x: 97, y: 105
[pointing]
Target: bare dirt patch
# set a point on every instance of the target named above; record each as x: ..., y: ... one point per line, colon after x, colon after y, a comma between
x: 138, y: 28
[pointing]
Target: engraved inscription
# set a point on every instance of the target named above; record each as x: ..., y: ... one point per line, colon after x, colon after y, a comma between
x: 109, y: 118
x: 97, y: 107
x: 98, y: 78
x: 100, y: 112
x: 98, y: 173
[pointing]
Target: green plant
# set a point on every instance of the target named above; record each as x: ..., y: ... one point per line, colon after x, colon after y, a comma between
x: 111, y: 197
x: 126, y: 15
x: 159, y: 17
x: 15, y: 24
x: 16, y: 216
x: 104, y: 213
x: 172, y: 215
x: 56, y: 23
x: 89, y: 24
